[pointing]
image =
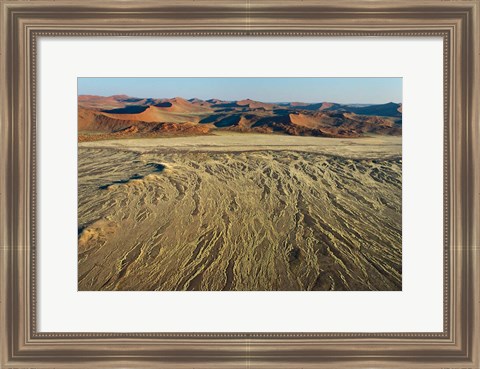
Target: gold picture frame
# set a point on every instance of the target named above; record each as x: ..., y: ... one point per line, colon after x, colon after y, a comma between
x: 23, y: 22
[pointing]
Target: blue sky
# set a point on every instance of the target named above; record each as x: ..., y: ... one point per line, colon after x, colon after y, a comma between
x: 340, y: 90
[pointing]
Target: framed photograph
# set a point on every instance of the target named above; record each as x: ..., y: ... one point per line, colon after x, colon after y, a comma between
x: 240, y: 184
x: 238, y: 194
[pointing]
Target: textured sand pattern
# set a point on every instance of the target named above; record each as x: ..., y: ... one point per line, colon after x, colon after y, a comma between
x: 316, y: 215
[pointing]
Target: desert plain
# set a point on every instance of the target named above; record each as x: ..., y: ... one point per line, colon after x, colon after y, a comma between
x: 239, y: 209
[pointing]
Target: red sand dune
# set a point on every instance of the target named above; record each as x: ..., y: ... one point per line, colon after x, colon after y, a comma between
x: 255, y: 104
x: 155, y: 114
x: 180, y: 105
x: 121, y: 115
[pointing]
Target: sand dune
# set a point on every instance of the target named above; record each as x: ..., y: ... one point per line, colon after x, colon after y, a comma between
x: 158, y: 114
x: 255, y: 104
x: 104, y: 115
x: 240, y: 212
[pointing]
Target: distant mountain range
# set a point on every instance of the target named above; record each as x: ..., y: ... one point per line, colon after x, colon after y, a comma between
x: 120, y: 116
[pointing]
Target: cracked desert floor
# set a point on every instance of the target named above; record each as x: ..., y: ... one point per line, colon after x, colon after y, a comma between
x: 240, y: 212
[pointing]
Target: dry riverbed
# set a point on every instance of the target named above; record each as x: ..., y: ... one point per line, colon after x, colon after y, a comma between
x: 240, y: 212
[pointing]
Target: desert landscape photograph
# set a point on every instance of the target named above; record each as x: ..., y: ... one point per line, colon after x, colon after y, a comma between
x: 240, y: 184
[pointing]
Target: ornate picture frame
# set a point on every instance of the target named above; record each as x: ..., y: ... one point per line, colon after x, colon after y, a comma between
x: 24, y: 22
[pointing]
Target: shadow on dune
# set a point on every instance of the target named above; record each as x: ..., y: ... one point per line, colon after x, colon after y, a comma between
x: 226, y: 105
x: 132, y: 109
x: 165, y: 104
x: 228, y: 121
x: 212, y: 118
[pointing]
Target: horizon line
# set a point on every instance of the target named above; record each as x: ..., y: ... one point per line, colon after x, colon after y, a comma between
x: 261, y: 101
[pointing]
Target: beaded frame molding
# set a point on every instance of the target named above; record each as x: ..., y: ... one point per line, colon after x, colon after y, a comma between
x: 24, y: 22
